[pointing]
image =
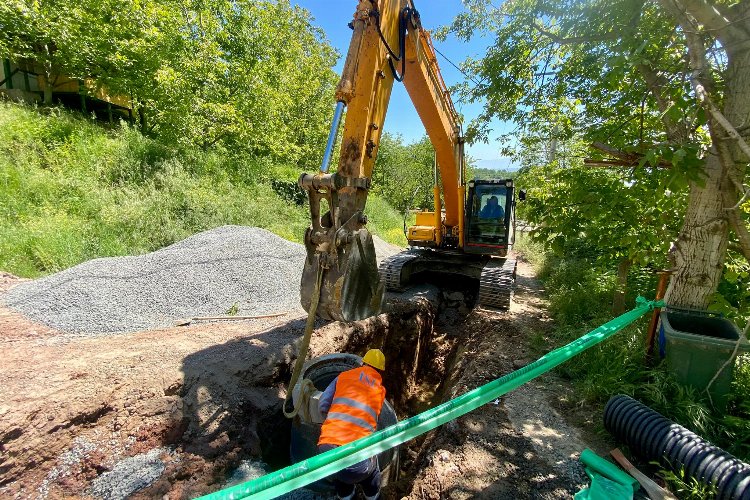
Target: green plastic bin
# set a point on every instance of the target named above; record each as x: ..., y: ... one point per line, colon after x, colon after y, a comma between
x: 696, y: 344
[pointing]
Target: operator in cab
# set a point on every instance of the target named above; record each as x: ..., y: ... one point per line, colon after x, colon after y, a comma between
x: 492, y: 210
x: 351, y: 404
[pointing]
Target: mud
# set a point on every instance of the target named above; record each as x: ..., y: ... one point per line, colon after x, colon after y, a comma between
x: 175, y: 413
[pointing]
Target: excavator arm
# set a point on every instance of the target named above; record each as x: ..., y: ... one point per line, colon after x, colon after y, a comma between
x: 340, y: 278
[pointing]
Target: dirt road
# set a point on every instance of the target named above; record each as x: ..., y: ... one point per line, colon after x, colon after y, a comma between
x: 174, y: 411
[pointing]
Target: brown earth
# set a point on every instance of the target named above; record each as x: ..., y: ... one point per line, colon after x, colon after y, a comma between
x: 526, y: 444
x: 205, y: 397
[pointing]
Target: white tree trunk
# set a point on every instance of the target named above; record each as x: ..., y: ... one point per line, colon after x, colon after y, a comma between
x: 701, y: 246
x: 698, y: 254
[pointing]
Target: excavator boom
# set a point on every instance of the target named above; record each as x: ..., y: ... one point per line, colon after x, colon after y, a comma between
x: 341, y: 279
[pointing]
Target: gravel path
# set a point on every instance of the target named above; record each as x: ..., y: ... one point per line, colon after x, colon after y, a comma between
x: 247, y: 270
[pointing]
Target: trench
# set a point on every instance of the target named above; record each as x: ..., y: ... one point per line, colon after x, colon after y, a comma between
x: 419, y: 340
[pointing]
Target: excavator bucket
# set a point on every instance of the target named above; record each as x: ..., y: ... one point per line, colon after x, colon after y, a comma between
x: 350, y: 287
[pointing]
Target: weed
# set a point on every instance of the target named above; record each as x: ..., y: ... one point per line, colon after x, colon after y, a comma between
x: 688, y: 488
x: 580, y: 296
x: 72, y: 191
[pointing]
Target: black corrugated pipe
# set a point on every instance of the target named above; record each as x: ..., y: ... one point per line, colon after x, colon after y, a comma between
x: 653, y: 436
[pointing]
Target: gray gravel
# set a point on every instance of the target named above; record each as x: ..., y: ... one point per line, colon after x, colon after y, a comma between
x: 204, y: 275
x: 249, y: 470
x: 129, y: 475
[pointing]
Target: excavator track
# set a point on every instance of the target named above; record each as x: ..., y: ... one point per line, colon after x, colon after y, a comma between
x: 390, y: 270
x: 496, y: 276
x: 496, y: 284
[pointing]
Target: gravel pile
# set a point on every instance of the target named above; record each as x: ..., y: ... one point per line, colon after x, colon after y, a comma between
x: 245, y: 270
x: 129, y: 475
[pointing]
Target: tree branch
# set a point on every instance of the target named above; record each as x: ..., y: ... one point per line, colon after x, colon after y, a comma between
x: 711, y: 18
x: 624, y: 159
x: 707, y: 103
x: 677, y: 132
x: 742, y: 201
x: 742, y: 232
x: 573, y: 39
x: 697, y: 53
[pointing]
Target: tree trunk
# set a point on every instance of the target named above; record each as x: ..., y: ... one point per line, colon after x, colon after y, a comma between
x: 737, y: 111
x: 618, y: 301
x: 698, y: 254
x: 47, y: 82
x: 142, y: 120
x: 701, y: 246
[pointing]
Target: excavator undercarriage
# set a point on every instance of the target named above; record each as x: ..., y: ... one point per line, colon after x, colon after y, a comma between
x: 495, y: 277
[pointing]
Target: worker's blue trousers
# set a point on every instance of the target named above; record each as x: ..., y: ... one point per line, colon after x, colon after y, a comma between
x: 365, y: 473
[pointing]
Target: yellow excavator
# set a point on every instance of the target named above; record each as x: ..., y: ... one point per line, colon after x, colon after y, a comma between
x: 470, y: 231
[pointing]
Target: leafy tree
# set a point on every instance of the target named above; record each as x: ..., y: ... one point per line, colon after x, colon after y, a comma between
x: 489, y: 173
x: 662, y: 83
x: 251, y: 77
x: 248, y: 75
x: 404, y: 173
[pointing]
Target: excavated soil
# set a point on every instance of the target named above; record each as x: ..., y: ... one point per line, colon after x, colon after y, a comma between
x: 174, y: 412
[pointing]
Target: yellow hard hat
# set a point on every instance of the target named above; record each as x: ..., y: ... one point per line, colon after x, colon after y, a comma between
x: 375, y: 358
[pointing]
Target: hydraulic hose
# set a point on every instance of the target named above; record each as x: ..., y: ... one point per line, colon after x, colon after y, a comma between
x: 655, y: 437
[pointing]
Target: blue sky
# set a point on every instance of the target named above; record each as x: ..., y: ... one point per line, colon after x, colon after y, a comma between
x: 334, y: 15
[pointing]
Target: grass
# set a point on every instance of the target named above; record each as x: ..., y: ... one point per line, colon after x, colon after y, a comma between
x: 580, y: 297
x: 71, y: 191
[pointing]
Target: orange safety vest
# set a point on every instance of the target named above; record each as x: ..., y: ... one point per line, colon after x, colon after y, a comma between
x: 355, y: 407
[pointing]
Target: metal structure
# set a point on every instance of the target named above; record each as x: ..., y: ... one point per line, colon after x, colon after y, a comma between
x: 458, y: 237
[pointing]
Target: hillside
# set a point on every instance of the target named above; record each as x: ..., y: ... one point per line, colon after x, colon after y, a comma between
x: 71, y: 191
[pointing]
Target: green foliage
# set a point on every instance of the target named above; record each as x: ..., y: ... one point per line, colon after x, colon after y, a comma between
x: 242, y: 76
x: 403, y: 173
x: 687, y: 488
x: 603, y: 80
x: 631, y: 215
x: 70, y: 191
x: 579, y: 297
x: 488, y: 173
x: 385, y: 221
x: 290, y: 191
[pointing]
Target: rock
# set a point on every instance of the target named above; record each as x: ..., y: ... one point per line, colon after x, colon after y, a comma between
x: 443, y: 455
x: 129, y: 475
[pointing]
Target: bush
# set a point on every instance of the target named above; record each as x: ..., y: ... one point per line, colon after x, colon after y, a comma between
x: 71, y: 191
x: 580, y: 295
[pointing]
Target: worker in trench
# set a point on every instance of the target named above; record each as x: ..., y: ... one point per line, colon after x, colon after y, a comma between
x: 351, y: 405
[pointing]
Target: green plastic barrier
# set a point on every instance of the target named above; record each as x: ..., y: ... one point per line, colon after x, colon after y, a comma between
x: 321, y: 466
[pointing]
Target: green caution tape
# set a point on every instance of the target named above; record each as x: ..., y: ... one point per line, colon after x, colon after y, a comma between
x: 328, y: 463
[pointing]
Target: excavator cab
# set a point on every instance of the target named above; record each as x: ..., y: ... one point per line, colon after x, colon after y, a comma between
x: 490, y: 207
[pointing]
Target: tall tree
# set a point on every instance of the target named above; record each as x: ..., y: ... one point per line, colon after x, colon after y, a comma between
x: 404, y: 172
x: 666, y: 80
x: 252, y: 77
